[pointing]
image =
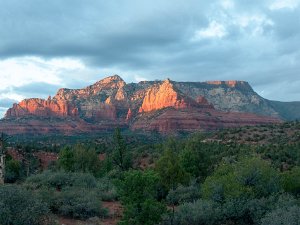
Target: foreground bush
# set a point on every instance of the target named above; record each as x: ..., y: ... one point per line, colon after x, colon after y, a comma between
x: 250, y: 178
x: 283, y: 216
x: 201, y: 212
x: 60, y: 180
x: 77, y: 203
x: 184, y: 194
x: 236, y: 211
x: 74, y: 195
x: 21, y: 207
x: 106, y: 190
x: 291, y: 181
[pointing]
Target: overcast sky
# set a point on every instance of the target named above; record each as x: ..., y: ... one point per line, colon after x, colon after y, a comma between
x: 45, y: 45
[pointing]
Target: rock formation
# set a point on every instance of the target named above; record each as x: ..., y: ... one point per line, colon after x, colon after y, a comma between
x: 164, y: 95
x: 163, y: 106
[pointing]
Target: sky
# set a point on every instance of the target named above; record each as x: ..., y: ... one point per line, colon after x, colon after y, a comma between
x: 46, y: 45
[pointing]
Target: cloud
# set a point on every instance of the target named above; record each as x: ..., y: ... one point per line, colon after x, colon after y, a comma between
x: 139, y: 78
x: 214, y: 30
x: 284, y: 4
x: 227, y: 4
x: 74, y: 43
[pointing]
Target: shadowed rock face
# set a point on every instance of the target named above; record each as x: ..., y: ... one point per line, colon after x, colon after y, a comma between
x: 163, y: 106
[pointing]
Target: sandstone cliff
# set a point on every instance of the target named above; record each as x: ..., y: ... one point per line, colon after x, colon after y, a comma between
x: 163, y: 106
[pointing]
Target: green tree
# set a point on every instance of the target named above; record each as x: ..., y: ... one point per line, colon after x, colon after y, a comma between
x: 138, y: 192
x: 170, y: 170
x: 12, y: 170
x: 86, y: 160
x: 66, y: 159
x: 196, y: 159
x: 120, y: 155
x: 79, y: 159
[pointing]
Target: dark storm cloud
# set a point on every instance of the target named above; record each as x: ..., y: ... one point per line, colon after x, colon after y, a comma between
x: 157, y: 39
x: 90, y: 28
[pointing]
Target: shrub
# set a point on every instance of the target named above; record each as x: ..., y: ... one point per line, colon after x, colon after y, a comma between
x: 245, y: 210
x: 201, y: 212
x: 222, y: 185
x: 68, y: 194
x: 107, y: 190
x: 291, y: 181
x: 257, y: 175
x: 183, y: 194
x: 283, y: 216
x: 77, y: 203
x: 250, y: 177
x: 21, y: 207
x: 60, y: 180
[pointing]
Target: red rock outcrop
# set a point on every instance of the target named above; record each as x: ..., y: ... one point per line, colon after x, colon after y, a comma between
x: 164, y: 95
x: 163, y: 106
x: 42, y: 108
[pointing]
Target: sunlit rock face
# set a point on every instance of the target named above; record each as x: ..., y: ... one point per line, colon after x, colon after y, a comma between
x: 43, y: 108
x: 165, y: 95
x: 163, y: 106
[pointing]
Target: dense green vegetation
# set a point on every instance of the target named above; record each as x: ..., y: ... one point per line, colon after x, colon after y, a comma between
x: 211, y: 179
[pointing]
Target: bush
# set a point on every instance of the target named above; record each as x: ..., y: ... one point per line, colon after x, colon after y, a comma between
x: 222, y: 185
x: 258, y: 176
x: 244, y: 211
x: 107, y: 190
x: 201, y: 212
x: 77, y: 203
x: 283, y: 216
x: 250, y: 177
x: 69, y: 194
x: 291, y: 181
x: 60, y: 180
x: 183, y: 194
x: 21, y: 207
